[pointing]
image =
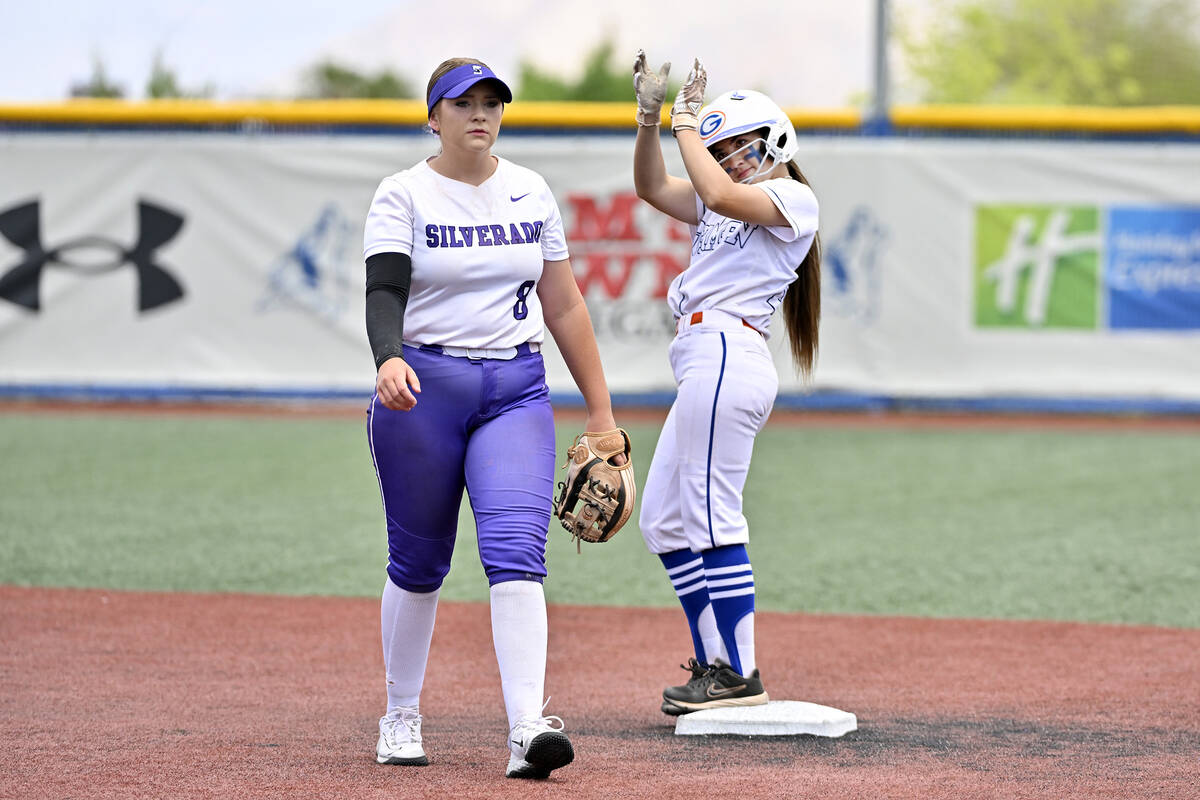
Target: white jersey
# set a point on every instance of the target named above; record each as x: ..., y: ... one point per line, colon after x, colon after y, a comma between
x: 477, y: 252
x: 745, y: 269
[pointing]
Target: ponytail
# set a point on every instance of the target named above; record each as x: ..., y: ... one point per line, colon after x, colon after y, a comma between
x: 802, y: 303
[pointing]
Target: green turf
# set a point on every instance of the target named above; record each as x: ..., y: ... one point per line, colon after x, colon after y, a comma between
x: 998, y: 524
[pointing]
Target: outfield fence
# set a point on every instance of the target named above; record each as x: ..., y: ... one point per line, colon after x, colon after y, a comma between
x: 1002, y: 259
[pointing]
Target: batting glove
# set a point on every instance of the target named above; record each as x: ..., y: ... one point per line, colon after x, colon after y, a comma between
x: 651, y: 89
x: 686, y: 111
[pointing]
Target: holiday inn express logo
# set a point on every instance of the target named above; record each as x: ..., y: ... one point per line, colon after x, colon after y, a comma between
x: 1133, y: 268
x: 1037, y: 266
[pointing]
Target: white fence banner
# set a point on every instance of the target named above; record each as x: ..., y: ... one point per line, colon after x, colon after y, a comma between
x: 177, y: 262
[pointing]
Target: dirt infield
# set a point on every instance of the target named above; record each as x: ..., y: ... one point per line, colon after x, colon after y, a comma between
x: 137, y: 695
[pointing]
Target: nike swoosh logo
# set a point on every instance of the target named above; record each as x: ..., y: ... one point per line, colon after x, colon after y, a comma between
x: 713, y: 691
x: 518, y: 197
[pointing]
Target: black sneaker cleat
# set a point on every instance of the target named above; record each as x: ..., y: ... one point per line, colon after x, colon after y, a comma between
x: 718, y: 686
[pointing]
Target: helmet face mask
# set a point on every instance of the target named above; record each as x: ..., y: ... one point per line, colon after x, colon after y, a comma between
x: 753, y: 153
x: 744, y: 111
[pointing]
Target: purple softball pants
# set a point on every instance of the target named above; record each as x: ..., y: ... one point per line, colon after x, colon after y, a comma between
x: 485, y: 425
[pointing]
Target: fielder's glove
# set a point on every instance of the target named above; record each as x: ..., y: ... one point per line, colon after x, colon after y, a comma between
x: 651, y: 89
x: 686, y: 111
x: 597, y: 497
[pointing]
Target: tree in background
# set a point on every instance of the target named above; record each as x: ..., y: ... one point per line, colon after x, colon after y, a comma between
x: 1066, y: 52
x: 163, y: 83
x: 330, y: 80
x: 602, y: 80
x: 98, y: 85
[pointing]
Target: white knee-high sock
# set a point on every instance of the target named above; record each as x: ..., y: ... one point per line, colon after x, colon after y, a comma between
x: 406, y: 620
x: 743, y: 634
x: 714, y: 645
x: 519, y: 634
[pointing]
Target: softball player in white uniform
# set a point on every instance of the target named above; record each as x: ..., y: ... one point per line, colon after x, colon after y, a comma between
x: 753, y: 220
x: 466, y: 261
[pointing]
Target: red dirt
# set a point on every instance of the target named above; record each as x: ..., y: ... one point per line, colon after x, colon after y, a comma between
x: 133, y: 695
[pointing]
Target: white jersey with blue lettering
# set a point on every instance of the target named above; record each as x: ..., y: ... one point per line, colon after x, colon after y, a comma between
x: 477, y: 252
x: 724, y: 371
x: 745, y: 269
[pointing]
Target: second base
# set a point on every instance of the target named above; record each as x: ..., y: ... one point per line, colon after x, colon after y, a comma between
x: 776, y: 718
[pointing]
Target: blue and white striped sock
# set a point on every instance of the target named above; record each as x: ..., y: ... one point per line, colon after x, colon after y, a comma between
x: 686, y: 571
x: 730, y: 582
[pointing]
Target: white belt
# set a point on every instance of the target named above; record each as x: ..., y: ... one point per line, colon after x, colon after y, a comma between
x: 718, y: 319
x: 499, y: 353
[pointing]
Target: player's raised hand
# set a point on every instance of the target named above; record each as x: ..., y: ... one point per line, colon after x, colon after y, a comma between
x: 686, y: 111
x: 651, y: 89
x: 393, y: 382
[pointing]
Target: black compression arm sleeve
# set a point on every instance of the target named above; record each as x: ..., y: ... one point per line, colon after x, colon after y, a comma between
x: 389, y: 277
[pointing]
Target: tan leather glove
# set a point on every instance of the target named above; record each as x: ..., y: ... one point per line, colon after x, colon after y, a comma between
x: 598, y: 495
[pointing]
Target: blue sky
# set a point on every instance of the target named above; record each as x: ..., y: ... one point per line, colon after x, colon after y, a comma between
x: 804, y: 52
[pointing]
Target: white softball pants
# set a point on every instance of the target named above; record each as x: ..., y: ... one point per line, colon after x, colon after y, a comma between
x: 726, y: 384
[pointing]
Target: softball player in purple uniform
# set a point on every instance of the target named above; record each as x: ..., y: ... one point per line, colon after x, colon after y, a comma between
x: 466, y: 265
x: 753, y: 220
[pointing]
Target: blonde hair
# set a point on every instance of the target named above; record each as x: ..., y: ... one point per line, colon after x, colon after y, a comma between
x: 446, y: 66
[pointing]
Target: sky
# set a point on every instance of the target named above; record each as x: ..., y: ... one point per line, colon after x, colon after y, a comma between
x: 807, y: 53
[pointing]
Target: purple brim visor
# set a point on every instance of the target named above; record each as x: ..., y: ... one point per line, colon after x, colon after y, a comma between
x: 457, y: 81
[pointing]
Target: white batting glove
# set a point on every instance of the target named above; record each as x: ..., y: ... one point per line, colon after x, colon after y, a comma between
x: 686, y: 111
x: 651, y: 88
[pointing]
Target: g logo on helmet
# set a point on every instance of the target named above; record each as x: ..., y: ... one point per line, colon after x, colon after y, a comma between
x: 712, y: 123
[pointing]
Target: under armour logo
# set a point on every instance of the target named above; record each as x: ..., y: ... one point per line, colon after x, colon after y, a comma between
x: 21, y: 225
x: 476, y: 69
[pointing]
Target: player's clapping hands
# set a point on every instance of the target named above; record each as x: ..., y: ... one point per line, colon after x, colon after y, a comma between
x: 686, y: 111
x: 651, y: 89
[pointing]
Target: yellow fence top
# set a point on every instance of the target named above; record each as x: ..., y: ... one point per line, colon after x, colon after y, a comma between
x: 1158, y: 119
x: 349, y: 112
x: 1147, y: 119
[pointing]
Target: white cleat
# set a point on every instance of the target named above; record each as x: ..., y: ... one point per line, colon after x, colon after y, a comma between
x: 400, y: 738
x: 536, y: 747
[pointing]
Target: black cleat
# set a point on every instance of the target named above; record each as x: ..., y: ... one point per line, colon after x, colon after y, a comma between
x: 717, y: 686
